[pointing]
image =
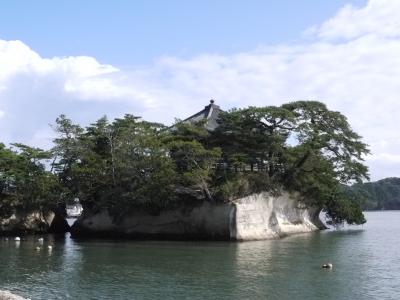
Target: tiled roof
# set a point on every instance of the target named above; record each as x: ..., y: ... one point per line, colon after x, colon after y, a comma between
x: 209, y: 113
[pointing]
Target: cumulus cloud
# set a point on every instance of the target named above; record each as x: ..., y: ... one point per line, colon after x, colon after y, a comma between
x: 35, y: 90
x: 16, y: 58
x: 351, y: 62
x: 378, y: 17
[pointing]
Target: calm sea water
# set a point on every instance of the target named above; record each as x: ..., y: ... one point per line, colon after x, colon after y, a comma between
x: 366, y: 266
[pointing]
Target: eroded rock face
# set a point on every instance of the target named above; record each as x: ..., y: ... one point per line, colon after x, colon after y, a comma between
x: 206, y: 221
x: 256, y: 217
x: 29, y: 222
x: 262, y: 216
x: 33, y: 222
x: 59, y: 224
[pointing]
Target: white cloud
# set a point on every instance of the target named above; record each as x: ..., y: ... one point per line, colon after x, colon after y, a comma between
x: 378, y: 17
x: 351, y: 62
x: 16, y: 57
x: 35, y: 90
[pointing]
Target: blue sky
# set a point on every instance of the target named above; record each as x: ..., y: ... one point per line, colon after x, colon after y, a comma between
x: 166, y: 59
x: 128, y: 33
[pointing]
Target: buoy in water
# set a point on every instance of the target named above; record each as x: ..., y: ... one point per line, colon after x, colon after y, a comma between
x: 327, y: 266
x: 40, y: 240
x: 50, y: 248
x: 17, y: 239
x: 37, y: 248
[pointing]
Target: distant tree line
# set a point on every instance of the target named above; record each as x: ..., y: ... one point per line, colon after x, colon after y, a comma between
x: 131, y: 164
x: 380, y: 195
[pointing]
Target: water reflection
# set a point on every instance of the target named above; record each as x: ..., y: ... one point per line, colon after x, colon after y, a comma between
x: 29, y: 262
x: 365, y: 263
x: 287, y: 267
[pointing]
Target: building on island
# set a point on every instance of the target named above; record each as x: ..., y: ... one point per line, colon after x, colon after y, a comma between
x: 210, y: 113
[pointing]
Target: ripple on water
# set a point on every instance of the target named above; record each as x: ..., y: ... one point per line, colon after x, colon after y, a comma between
x: 366, y: 266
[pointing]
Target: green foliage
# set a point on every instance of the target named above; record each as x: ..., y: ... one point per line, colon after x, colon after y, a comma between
x: 254, y: 138
x: 66, y: 156
x: 130, y: 164
x: 380, y: 195
x: 328, y: 132
x: 339, y: 207
x: 25, y: 185
x: 301, y: 146
x: 117, y: 166
x: 239, y: 185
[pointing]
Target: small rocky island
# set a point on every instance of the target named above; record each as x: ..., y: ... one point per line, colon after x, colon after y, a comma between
x: 255, y: 217
x: 246, y: 174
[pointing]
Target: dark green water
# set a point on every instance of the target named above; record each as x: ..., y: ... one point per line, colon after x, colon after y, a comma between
x: 366, y: 266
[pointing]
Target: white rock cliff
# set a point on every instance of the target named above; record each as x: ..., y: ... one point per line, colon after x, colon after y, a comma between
x: 256, y: 217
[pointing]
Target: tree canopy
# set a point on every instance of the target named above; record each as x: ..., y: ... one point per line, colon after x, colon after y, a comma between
x: 300, y: 146
x: 25, y: 185
x: 131, y: 164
